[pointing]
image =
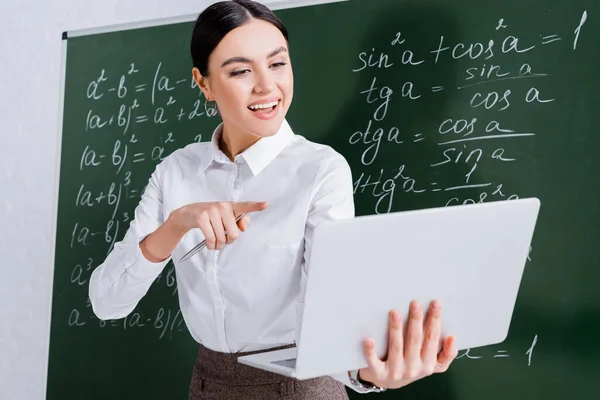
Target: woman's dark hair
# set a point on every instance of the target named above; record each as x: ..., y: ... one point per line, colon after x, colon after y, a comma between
x: 219, y: 19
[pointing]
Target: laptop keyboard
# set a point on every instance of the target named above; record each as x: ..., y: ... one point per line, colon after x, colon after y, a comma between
x: 290, y: 363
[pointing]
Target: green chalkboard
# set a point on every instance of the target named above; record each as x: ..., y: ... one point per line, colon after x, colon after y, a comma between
x: 433, y: 103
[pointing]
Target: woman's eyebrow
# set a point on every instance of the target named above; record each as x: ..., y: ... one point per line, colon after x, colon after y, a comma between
x: 247, y: 60
x: 277, y: 51
x: 235, y: 60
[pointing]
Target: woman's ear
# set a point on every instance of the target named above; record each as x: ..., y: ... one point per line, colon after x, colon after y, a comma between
x: 202, y: 83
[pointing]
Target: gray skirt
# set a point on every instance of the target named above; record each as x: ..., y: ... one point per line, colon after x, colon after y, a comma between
x: 219, y: 376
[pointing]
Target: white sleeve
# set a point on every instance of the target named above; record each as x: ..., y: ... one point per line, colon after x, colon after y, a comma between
x: 332, y: 198
x: 118, y: 284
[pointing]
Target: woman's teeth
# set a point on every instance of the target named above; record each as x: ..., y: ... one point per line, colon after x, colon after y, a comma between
x: 261, y: 106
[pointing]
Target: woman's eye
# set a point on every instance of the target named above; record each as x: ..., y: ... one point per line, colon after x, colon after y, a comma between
x: 277, y: 65
x: 238, y: 73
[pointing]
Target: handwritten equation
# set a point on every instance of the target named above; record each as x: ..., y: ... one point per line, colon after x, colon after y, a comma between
x: 474, y: 355
x: 486, y: 137
x: 130, y: 124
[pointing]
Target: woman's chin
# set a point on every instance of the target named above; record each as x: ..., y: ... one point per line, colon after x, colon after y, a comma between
x: 265, y: 128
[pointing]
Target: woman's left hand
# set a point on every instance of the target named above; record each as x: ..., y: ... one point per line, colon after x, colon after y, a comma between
x: 415, y: 358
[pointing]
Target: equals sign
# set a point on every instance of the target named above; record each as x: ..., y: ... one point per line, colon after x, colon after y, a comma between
x: 140, y: 88
x: 437, y: 88
x: 501, y: 355
x: 419, y: 138
x: 141, y: 118
x: 550, y: 39
x: 436, y: 189
x: 138, y: 157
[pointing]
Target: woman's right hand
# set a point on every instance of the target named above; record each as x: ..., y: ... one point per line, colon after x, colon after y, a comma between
x: 216, y: 220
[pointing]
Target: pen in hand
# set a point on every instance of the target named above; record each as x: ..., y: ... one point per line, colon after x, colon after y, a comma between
x: 202, y: 244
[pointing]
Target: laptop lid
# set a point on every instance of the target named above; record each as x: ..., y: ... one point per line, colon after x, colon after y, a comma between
x: 469, y: 257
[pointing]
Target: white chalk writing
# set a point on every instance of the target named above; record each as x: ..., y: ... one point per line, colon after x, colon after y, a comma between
x: 137, y: 133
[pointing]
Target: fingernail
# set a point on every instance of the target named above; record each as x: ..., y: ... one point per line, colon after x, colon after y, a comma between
x: 436, y: 305
x: 395, y: 316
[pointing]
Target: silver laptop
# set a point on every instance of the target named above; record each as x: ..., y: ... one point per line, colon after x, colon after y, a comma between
x: 470, y: 257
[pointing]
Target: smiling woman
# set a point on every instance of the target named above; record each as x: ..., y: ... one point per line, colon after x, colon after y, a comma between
x: 241, y: 61
x: 243, y: 293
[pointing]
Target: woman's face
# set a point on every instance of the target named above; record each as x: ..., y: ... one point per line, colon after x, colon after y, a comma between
x: 250, y: 78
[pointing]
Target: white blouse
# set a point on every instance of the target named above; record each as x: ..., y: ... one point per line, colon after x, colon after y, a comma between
x: 247, y: 296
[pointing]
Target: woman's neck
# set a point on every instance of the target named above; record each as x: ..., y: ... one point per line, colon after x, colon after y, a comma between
x: 233, y: 143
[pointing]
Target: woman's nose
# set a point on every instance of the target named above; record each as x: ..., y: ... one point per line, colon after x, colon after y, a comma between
x: 264, y: 83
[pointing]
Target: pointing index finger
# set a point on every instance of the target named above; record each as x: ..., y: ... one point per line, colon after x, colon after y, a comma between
x: 245, y: 207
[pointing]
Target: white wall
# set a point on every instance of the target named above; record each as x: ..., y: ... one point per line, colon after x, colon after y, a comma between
x: 30, y: 62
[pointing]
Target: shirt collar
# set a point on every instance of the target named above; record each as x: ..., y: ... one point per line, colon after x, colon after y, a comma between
x: 257, y: 156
